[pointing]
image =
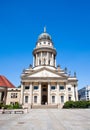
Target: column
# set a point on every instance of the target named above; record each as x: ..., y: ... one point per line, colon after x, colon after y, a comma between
x: 36, y: 59
x: 22, y: 94
x: 31, y: 95
x: 49, y: 93
x: 76, y: 93
x: 58, y: 99
x: 55, y: 62
x: 52, y: 59
x: 33, y: 61
x: 41, y: 58
x: 47, y: 57
x: 40, y: 93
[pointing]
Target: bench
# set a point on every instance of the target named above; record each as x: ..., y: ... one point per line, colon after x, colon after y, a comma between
x: 19, y: 112
x: 6, y: 112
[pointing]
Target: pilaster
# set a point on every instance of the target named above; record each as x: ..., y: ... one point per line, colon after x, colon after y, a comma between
x: 40, y: 93
x: 49, y: 93
x: 22, y: 94
x: 58, y: 100
x: 31, y: 96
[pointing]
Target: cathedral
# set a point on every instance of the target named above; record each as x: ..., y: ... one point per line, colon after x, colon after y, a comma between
x: 44, y: 83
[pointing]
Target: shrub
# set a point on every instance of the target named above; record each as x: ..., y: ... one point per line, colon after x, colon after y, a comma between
x: 15, y: 106
x: 1, y: 105
x: 77, y: 104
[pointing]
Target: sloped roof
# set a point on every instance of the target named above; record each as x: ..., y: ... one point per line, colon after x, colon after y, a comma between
x: 4, y: 82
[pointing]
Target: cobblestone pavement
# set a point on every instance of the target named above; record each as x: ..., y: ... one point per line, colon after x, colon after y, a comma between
x: 47, y: 119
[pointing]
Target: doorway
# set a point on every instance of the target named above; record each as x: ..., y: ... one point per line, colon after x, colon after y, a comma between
x: 44, y: 93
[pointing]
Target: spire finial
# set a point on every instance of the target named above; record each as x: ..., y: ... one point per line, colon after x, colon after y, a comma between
x: 45, y: 29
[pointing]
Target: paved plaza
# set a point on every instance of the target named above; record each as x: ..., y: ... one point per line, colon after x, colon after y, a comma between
x: 47, y: 119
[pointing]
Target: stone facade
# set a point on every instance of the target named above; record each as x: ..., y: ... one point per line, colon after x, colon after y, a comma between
x: 44, y: 83
x: 13, y: 96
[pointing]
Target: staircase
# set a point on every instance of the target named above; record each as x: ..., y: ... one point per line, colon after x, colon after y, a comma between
x: 44, y: 107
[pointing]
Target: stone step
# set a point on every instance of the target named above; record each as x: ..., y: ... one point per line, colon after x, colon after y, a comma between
x: 44, y: 107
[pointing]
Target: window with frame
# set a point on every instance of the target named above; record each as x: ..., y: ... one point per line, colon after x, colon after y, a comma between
x: 35, y: 87
x: 27, y: 87
x: 61, y: 87
x: 35, y: 99
x: 26, y: 99
x: 44, y: 89
x: 14, y: 95
x: 53, y: 99
x: 62, y: 99
x: 69, y: 89
x: 52, y: 87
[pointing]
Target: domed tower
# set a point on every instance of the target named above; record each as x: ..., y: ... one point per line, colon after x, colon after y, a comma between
x: 44, y: 53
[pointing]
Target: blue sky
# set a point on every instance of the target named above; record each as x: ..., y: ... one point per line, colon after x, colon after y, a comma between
x: 68, y: 23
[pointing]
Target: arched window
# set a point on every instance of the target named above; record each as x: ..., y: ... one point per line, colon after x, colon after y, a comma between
x: 53, y: 99
x: 35, y: 99
x: 62, y: 99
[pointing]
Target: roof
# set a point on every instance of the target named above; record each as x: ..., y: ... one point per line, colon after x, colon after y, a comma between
x: 4, y: 82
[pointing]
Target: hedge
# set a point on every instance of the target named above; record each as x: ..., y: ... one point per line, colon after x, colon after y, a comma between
x: 77, y: 104
x: 15, y: 106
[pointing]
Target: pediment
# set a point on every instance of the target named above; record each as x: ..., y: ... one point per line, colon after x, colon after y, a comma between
x: 45, y: 73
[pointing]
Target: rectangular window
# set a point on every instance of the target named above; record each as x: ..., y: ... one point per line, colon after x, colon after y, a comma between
x: 44, y: 89
x: 62, y: 99
x: 35, y: 99
x: 69, y: 89
x: 26, y: 87
x: 26, y: 99
x: 35, y: 87
x: 53, y: 99
x: 52, y: 87
x: 14, y: 95
x: 61, y: 87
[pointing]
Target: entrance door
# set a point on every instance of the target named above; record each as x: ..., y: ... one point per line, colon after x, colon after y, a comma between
x: 44, y: 99
x: 44, y: 93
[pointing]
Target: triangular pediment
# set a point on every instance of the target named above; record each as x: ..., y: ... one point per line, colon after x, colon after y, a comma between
x: 45, y: 72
